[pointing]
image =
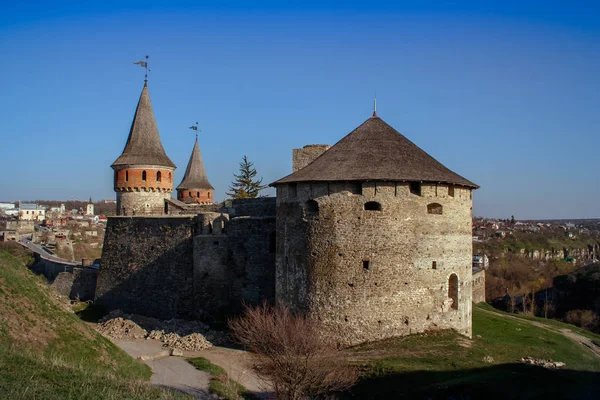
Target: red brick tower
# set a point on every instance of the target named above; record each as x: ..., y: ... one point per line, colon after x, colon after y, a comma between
x: 143, y: 172
x: 195, y: 187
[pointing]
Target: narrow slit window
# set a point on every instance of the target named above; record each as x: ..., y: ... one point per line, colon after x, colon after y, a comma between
x: 126, y: 176
x: 143, y: 175
x: 158, y: 176
x: 366, y: 264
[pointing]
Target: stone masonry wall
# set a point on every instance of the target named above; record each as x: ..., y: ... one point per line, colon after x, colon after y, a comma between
x: 141, y: 203
x: 147, y: 266
x: 234, y: 259
x: 479, y: 286
x: 369, y: 274
x: 304, y: 156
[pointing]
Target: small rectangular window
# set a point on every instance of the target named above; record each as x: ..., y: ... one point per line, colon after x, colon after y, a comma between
x: 415, y: 188
x: 451, y: 190
x: 293, y: 190
x: 434, y: 265
x: 366, y: 264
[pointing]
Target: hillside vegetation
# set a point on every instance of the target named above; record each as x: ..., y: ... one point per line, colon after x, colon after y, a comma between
x: 446, y: 365
x: 46, y: 352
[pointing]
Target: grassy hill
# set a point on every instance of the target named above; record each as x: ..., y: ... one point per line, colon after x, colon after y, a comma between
x: 445, y: 365
x: 46, y: 352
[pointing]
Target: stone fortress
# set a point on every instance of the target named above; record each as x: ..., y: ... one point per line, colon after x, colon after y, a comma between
x: 371, y: 236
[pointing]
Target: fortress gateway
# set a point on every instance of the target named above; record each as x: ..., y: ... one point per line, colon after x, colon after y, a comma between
x: 372, y: 237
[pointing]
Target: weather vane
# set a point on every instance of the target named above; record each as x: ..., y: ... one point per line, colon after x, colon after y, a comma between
x: 144, y: 64
x: 195, y: 128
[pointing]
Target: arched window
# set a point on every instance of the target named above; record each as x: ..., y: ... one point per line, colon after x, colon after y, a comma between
x: 143, y: 175
x: 209, y: 195
x: 312, y: 207
x: 158, y: 176
x: 372, y: 206
x: 190, y: 194
x: 198, y: 194
x: 126, y: 176
x: 453, y: 290
x: 434, y: 208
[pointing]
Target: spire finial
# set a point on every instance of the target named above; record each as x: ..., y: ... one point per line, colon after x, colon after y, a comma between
x: 195, y: 128
x: 144, y: 64
x: 374, y: 106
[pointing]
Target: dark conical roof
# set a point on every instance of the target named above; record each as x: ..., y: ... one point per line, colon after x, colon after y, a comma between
x: 195, y: 174
x: 375, y: 152
x: 143, y: 145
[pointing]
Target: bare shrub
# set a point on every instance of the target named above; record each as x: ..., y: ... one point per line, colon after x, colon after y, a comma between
x: 291, y: 353
x: 582, y: 318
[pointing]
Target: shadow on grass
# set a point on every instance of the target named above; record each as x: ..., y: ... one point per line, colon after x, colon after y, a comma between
x: 506, y: 381
x: 92, y: 313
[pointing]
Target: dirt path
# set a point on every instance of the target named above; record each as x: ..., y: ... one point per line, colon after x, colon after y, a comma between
x: 176, y: 373
x: 586, y: 342
x: 169, y: 372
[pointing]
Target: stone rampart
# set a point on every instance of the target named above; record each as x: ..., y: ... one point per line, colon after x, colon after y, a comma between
x: 479, y: 286
x: 147, y: 266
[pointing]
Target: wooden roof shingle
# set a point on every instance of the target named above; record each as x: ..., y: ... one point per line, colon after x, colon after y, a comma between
x: 375, y: 152
x: 143, y: 145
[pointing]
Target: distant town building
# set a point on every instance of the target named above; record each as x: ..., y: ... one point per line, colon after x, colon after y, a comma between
x: 31, y: 212
x: 480, y: 261
x: 90, y: 208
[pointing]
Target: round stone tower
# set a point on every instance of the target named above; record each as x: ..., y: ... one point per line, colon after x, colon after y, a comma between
x: 374, y: 239
x: 195, y: 187
x: 143, y: 172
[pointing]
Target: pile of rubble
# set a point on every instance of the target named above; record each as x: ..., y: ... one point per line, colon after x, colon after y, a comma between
x: 119, y: 328
x: 543, y: 363
x: 174, y: 333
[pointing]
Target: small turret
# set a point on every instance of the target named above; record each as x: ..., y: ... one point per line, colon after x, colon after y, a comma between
x: 195, y: 187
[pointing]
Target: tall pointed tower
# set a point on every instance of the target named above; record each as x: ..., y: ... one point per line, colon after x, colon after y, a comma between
x: 143, y: 172
x: 195, y: 187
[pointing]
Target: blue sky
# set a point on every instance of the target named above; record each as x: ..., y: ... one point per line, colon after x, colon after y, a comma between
x: 505, y: 95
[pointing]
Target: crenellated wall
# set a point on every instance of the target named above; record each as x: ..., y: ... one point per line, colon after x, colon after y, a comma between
x: 186, y: 266
x: 372, y: 274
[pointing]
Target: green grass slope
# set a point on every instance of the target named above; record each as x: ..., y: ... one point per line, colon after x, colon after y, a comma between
x: 445, y: 365
x: 46, y: 352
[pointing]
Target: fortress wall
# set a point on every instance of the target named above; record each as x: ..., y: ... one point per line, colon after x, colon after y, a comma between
x: 479, y: 286
x: 368, y: 275
x: 147, y: 266
x: 236, y: 267
x: 304, y: 156
x: 256, y: 207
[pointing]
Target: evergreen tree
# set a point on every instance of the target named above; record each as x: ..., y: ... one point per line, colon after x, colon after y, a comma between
x: 245, y: 186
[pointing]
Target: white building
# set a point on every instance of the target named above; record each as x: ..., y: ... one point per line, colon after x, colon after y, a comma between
x: 31, y: 212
